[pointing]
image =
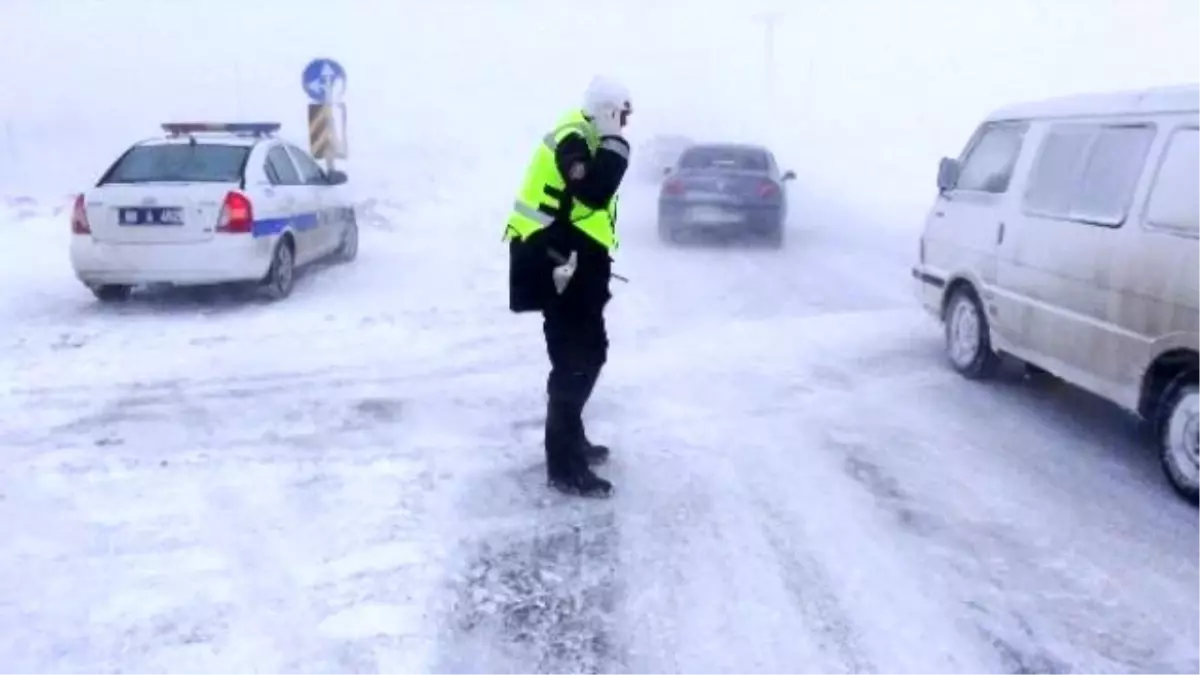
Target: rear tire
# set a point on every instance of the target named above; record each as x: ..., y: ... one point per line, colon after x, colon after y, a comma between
x: 968, y: 336
x: 281, y: 278
x: 775, y: 238
x: 112, y: 292
x: 1179, y: 435
x: 666, y: 234
x: 348, y: 250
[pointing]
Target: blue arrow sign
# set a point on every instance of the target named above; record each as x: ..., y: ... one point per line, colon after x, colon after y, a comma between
x: 324, y: 81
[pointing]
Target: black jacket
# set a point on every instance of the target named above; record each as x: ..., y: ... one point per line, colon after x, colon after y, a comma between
x: 591, y: 180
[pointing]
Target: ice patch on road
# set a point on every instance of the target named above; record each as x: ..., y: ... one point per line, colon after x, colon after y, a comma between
x: 540, y: 600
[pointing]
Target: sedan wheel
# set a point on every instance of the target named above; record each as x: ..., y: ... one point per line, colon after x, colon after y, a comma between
x: 349, y: 248
x: 282, y: 276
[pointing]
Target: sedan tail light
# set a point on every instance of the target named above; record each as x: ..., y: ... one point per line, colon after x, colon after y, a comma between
x: 768, y: 189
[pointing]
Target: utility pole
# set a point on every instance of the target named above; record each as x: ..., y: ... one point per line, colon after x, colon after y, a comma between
x: 769, y: 55
x: 769, y: 20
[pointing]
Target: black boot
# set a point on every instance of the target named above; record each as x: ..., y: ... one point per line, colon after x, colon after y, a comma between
x: 581, y: 483
x: 568, y: 454
x: 595, y: 454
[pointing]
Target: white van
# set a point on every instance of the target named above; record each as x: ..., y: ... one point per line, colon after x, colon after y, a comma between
x: 1066, y: 235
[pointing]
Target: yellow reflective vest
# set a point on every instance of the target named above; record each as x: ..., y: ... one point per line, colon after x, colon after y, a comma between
x: 542, y: 197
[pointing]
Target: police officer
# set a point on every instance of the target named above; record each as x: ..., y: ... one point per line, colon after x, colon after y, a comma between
x: 561, y: 233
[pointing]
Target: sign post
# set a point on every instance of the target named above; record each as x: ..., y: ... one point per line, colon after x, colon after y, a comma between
x: 324, y: 81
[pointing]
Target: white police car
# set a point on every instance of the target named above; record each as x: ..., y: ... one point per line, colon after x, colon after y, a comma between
x: 210, y: 203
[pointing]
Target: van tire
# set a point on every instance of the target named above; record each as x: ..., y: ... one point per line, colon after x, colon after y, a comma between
x: 1179, y: 435
x: 281, y: 277
x: 968, y: 336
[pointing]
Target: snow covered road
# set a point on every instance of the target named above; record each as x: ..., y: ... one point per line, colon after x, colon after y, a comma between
x: 352, y: 480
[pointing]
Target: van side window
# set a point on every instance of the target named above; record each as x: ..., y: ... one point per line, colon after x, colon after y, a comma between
x: 1056, y: 170
x: 1088, y: 172
x: 989, y: 164
x: 1114, y: 166
x: 1173, y: 202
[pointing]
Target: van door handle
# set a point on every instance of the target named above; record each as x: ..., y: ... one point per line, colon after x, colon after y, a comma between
x: 1000, y: 234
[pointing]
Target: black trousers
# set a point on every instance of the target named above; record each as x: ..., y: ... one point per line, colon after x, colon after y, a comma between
x: 577, y: 344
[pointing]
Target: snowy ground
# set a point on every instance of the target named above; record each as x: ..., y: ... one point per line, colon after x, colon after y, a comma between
x: 352, y: 480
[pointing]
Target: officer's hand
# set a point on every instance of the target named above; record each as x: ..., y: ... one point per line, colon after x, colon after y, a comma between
x: 608, y: 120
x: 564, y: 271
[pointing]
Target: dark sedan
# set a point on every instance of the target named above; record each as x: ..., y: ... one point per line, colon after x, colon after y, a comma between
x: 726, y: 191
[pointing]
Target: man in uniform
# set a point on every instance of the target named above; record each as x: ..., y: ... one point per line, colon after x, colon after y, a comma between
x: 561, y: 233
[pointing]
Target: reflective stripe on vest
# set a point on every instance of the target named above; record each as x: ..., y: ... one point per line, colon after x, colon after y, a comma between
x: 542, y: 197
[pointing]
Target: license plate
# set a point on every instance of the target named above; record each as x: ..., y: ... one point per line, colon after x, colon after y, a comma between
x: 150, y: 215
x: 709, y: 215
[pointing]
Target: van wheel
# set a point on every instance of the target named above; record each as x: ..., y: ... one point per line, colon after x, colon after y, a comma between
x: 112, y: 292
x: 1179, y: 435
x: 281, y: 278
x: 968, y: 341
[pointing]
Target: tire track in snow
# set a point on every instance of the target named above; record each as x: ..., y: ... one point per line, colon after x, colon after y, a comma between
x: 999, y: 566
x: 58, y: 416
x: 811, y: 588
x: 848, y: 596
x: 302, y: 600
x: 1018, y: 653
x: 321, y: 579
x: 706, y: 588
x: 273, y: 611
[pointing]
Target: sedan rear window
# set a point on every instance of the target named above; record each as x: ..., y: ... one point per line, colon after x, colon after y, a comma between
x: 180, y: 163
x: 723, y: 158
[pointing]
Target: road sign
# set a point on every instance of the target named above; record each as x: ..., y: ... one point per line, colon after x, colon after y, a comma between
x: 324, y: 81
x: 327, y: 131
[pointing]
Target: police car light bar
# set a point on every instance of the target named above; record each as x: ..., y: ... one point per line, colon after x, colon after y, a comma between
x: 252, y: 128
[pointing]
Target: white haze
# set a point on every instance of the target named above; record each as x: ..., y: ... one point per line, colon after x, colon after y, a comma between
x: 866, y: 94
x: 352, y: 480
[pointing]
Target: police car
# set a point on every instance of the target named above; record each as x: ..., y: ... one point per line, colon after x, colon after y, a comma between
x: 210, y: 203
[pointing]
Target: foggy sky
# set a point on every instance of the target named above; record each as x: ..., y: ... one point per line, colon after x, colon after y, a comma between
x: 863, y: 93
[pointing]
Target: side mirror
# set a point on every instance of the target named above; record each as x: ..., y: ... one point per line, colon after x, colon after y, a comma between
x: 947, y: 177
x: 336, y: 177
x: 666, y: 171
x: 789, y: 175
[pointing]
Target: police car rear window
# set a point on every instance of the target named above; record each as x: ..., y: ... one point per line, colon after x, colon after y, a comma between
x: 179, y: 163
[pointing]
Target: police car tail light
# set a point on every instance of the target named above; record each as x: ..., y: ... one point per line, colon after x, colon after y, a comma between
x: 237, y: 215
x: 79, y: 219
